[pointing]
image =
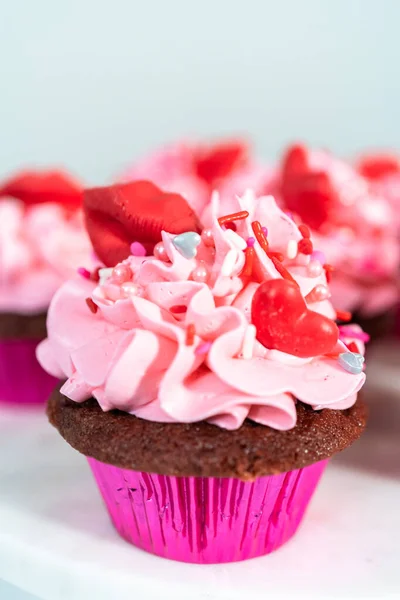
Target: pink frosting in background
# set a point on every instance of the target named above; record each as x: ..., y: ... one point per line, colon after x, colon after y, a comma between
x: 41, y: 246
x: 131, y: 350
x: 360, y: 239
x: 173, y: 169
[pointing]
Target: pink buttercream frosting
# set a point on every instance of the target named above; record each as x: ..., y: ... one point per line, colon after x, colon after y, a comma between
x: 173, y: 168
x: 132, y: 351
x: 41, y: 245
x: 359, y: 237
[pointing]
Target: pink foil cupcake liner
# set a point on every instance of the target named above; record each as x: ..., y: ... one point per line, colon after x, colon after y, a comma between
x: 206, y: 520
x: 22, y: 379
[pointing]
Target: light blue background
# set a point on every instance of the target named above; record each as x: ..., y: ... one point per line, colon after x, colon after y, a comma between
x: 94, y: 84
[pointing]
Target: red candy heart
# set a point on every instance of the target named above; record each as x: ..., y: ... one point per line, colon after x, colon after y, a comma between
x: 137, y: 211
x: 308, y: 193
x: 35, y: 187
x: 284, y: 322
x: 218, y: 161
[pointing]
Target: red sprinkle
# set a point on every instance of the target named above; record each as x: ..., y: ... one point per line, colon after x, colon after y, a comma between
x: 248, y: 265
x: 260, y: 235
x: 95, y: 276
x: 328, y: 272
x: 243, y: 214
x: 352, y: 346
x: 92, y: 306
x: 178, y: 309
x: 190, y: 333
x: 305, y: 231
x: 342, y: 315
x: 277, y: 255
x: 282, y: 271
x: 305, y: 246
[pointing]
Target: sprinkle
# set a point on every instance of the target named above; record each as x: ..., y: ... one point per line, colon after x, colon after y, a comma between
x: 190, y: 333
x: 248, y: 342
x: 229, y: 263
x: 236, y: 239
x: 305, y: 231
x: 243, y: 214
x: 352, y: 346
x: 104, y: 274
x: 83, y: 272
x: 260, y: 235
x: 92, y: 306
x: 203, y: 348
x: 305, y: 246
x: 137, y: 249
x: 342, y: 315
x: 265, y: 231
x: 351, y: 362
x: 178, y: 309
x: 251, y: 241
x: 186, y: 243
x: 95, y: 275
x: 318, y: 255
x: 319, y: 293
x: 282, y: 271
x: 249, y: 260
x: 328, y: 273
x: 347, y: 331
x: 291, y: 250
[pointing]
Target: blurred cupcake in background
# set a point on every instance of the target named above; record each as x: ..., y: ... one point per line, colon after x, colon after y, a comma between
x: 354, y: 232
x: 196, y: 169
x: 42, y: 242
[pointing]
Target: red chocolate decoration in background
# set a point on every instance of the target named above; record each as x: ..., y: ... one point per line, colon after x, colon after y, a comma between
x: 38, y: 187
x: 218, y: 161
x: 306, y: 192
x: 137, y: 211
x: 375, y: 166
x: 284, y: 322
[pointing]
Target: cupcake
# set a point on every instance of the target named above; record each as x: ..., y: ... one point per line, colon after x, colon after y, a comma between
x: 205, y: 378
x: 195, y: 169
x: 42, y: 241
x: 354, y: 231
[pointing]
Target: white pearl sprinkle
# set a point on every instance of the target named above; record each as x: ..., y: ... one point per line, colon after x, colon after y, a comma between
x: 104, y: 274
x: 235, y: 239
x: 248, y: 342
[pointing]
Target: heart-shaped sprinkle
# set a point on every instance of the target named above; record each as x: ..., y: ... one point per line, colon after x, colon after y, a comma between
x: 186, y: 243
x: 284, y: 322
x: 351, y: 362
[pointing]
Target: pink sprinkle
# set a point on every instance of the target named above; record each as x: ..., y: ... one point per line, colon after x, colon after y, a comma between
x: 203, y: 348
x: 320, y: 256
x: 349, y: 332
x: 137, y: 249
x: 265, y: 231
x: 250, y: 242
x: 83, y: 272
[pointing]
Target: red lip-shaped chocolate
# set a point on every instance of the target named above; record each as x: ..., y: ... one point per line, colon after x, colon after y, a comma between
x: 218, y: 161
x: 137, y: 211
x: 38, y: 187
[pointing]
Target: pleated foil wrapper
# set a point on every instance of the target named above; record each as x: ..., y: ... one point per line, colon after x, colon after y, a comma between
x: 22, y: 379
x: 206, y: 519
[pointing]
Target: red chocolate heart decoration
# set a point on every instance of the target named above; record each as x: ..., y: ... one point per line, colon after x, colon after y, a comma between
x: 375, y: 166
x: 137, y: 211
x: 216, y: 162
x: 307, y: 193
x: 284, y: 322
x: 35, y: 187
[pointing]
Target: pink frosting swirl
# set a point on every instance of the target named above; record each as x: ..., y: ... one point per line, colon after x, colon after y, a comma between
x: 41, y: 245
x: 132, y: 352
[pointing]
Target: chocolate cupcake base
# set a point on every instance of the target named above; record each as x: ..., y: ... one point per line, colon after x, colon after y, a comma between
x: 201, y: 449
